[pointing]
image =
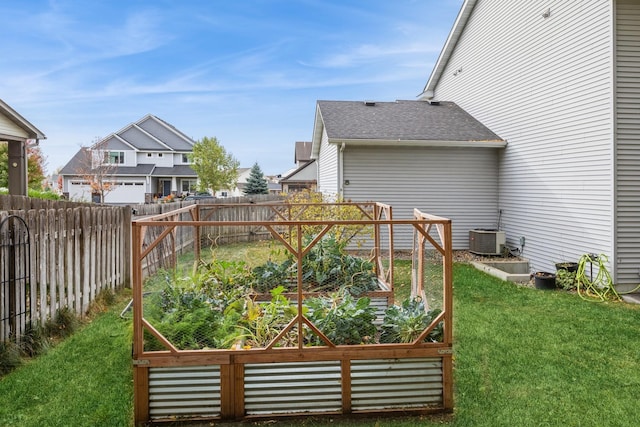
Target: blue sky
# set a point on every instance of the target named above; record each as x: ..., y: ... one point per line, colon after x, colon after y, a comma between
x: 247, y: 72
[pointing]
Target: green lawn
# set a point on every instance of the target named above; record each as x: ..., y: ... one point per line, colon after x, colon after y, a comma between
x: 523, y: 357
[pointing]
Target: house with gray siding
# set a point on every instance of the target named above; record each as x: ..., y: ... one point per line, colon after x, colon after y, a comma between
x: 559, y: 82
x: 410, y: 154
x: 145, y: 160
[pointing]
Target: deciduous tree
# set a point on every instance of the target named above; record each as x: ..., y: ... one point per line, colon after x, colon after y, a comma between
x: 35, y: 166
x: 96, y: 169
x: 216, y: 168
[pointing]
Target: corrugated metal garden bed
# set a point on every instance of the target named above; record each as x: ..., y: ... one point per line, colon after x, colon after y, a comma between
x: 308, y: 326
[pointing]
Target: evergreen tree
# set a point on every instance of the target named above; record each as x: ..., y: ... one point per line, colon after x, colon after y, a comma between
x: 256, y: 184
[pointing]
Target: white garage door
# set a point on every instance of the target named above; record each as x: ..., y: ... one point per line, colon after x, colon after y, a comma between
x: 126, y: 192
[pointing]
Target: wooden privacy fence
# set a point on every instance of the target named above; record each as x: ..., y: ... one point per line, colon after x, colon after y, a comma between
x: 184, y: 370
x: 75, y: 251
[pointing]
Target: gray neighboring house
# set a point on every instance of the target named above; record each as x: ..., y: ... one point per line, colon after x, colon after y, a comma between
x: 410, y: 154
x: 304, y: 176
x: 18, y: 133
x: 150, y: 159
x: 560, y: 80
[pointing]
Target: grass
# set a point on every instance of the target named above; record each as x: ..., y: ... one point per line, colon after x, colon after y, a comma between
x: 85, y: 380
x: 523, y: 357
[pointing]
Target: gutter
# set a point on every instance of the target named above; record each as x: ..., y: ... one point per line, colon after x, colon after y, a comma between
x: 494, y: 143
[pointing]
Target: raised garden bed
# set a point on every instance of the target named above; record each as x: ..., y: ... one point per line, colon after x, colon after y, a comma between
x: 310, y: 328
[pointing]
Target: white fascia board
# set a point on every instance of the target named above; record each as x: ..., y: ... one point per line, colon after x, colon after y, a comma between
x: 496, y: 143
x: 318, y: 127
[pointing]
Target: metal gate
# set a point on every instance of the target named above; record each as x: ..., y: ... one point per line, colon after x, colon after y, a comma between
x: 15, y: 278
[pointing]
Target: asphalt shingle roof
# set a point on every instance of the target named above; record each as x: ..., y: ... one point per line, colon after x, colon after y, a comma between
x: 178, y: 170
x: 402, y: 120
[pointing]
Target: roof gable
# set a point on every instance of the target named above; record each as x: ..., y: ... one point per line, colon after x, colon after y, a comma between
x: 18, y: 126
x: 149, y: 134
x: 166, y: 133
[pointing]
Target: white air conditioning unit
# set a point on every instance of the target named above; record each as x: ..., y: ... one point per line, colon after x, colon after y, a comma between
x: 486, y: 242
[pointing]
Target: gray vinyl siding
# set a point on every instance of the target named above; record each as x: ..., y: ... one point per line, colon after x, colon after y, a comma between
x: 457, y: 183
x: 328, y: 167
x: 168, y: 136
x: 545, y: 86
x: 628, y: 141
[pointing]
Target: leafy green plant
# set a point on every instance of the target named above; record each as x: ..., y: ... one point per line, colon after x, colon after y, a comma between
x: 272, y: 274
x: 222, y: 276
x: 566, y: 279
x: 262, y: 322
x: 189, y: 319
x: 326, y: 267
x: 343, y: 319
x: 405, y: 323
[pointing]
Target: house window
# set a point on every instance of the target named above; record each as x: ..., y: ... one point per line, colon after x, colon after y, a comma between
x: 189, y: 186
x: 149, y: 154
x: 115, y: 157
x: 185, y: 158
x: 159, y: 154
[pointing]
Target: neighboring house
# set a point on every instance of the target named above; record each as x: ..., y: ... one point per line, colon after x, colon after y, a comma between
x: 304, y: 176
x: 410, y: 154
x: 243, y: 176
x: 237, y: 191
x: 149, y: 159
x: 560, y: 81
x: 17, y: 132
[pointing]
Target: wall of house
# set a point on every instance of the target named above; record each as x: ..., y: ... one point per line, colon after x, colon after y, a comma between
x: 627, y: 230
x: 328, y: 167
x: 457, y: 183
x: 114, y: 144
x: 7, y: 127
x: 544, y: 84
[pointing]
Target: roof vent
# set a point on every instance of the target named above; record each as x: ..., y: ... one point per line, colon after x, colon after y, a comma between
x: 370, y: 103
x: 434, y: 102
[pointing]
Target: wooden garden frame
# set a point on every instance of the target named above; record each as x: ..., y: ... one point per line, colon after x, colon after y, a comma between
x: 230, y: 402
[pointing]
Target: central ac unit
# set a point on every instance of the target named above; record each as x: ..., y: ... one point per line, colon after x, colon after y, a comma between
x: 486, y: 242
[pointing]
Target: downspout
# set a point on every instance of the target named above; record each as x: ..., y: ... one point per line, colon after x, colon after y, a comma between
x: 341, y: 171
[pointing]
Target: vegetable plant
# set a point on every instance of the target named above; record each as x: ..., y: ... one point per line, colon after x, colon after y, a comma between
x: 405, y: 323
x: 342, y: 318
x: 262, y: 322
